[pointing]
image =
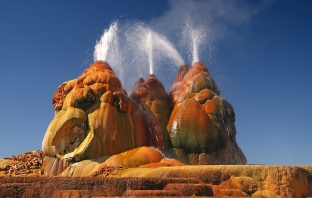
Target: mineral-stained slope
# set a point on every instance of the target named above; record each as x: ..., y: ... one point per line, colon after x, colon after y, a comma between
x: 152, y: 98
x: 141, y: 156
x: 209, y: 180
x: 201, y: 126
x: 96, y: 121
x: 97, y: 124
x: 102, y: 143
x: 94, y: 117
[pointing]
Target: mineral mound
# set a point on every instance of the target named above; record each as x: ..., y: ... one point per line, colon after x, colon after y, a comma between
x: 103, y: 142
x: 96, y: 119
x: 201, y: 125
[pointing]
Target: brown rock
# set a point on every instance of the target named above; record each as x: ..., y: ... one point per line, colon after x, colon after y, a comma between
x: 71, y: 193
x: 28, y: 163
x: 247, y: 185
x: 163, y: 163
x: 219, y: 192
x: 135, y: 158
x: 94, y: 118
x: 181, y: 73
x: 105, y: 166
x: 191, y: 189
x: 201, y: 125
x: 54, y: 166
x: 269, y: 181
x: 233, y: 180
x: 151, y: 96
x: 192, y: 136
x: 149, y: 193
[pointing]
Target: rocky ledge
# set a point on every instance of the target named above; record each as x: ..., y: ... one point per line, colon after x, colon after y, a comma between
x: 182, y: 181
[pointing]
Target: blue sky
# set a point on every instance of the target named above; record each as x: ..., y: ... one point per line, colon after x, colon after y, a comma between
x: 261, y: 60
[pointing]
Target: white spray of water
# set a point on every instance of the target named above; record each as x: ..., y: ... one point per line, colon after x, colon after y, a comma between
x: 107, y: 41
x: 149, y: 46
x: 171, y: 52
x: 193, y: 38
x: 107, y: 49
x: 144, y: 51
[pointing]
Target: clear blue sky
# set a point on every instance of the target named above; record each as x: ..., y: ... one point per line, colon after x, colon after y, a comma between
x: 261, y: 62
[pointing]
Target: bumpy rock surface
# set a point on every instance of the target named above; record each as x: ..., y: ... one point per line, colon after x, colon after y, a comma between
x: 208, y: 180
x: 239, y: 180
x: 94, y: 117
x: 97, y: 122
x: 105, y: 165
x: 24, y: 164
x: 98, y: 125
x: 201, y: 126
x: 152, y: 98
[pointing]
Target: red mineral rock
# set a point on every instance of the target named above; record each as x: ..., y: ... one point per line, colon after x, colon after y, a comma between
x: 94, y: 118
x: 201, y: 126
x: 152, y: 98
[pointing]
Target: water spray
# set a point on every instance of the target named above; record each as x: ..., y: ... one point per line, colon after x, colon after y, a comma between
x: 192, y: 38
x: 108, y: 39
x: 149, y: 46
x: 146, y: 51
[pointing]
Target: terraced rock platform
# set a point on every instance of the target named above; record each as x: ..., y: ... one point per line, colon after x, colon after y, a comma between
x: 186, y: 181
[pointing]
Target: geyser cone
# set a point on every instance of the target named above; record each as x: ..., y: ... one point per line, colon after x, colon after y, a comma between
x: 94, y: 117
x: 201, y: 125
x: 151, y: 97
x: 190, y: 80
x: 183, y: 69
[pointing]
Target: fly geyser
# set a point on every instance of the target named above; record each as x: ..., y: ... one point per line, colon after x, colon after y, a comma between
x: 96, y: 119
x: 98, y: 124
x: 109, y: 139
x: 201, y: 125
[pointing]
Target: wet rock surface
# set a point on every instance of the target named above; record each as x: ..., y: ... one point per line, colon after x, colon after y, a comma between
x: 201, y: 125
x: 152, y: 98
x: 183, y: 181
x: 94, y: 117
x: 103, y: 142
x: 98, y: 125
x: 138, y: 157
